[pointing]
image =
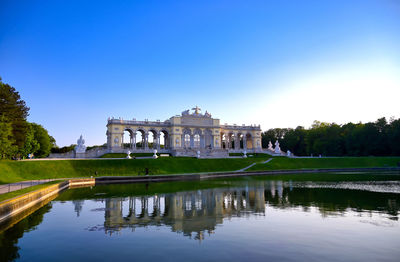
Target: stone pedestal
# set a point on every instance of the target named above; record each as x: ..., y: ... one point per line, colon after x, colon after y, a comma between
x: 80, y: 155
x: 155, y: 154
x: 244, y: 154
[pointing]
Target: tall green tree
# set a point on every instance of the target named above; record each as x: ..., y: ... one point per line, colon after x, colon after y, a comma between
x: 31, y: 145
x: 13, y: 108
x: 394, y: 137
x: 7, y: 149
x: 43, y: 139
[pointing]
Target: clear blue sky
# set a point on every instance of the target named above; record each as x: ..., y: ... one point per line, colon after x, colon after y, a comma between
x: 274, y: 63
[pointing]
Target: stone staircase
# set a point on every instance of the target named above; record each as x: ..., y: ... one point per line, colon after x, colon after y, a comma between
x: 204, y: 153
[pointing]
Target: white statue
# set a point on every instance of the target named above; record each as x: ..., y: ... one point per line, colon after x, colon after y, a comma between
x: 155, y: 154
x: 277, y: 148
x: 288, y: 153
x: 244, y: 154
x: 207, y: 114
x: 80, y: 148
x: 198, y: 154
x: 128, y: 154
x: 270, y: 147
x: 185, y: 113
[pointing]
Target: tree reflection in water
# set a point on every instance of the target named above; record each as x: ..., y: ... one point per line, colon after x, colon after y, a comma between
x: 195, y: 209
x: 198, y: 212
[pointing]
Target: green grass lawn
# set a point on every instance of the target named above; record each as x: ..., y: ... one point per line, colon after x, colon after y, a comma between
x: 337, y: 162
x: 14, y: 171
x: 25, y: 190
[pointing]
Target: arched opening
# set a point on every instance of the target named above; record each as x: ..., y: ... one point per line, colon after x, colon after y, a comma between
x: 223, y: 140
x: 249, y: 141
x: 186, y: 137
x: 164, y: 139
x: 127, y: 138
x: 140, y: 139
x: 231, y: 140
x: 196, y: 140
x: 152, y: 139
x: 240, y: 139
x: 187, y: 140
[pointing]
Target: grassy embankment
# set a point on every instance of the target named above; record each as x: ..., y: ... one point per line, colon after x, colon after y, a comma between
x: 25, y: 190
x: 14, y: 171
x: 280, y: 163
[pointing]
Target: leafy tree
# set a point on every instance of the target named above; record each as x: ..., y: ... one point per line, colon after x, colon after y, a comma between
x: 394, y: 137
x: 273, y: 135
x: 379, y: 138
x: 294, y: 140
x: 43, y: 139
x: 7, y: 149
x: 31, y: 145
x: 64, y: 149
x: 13, y: 108
x: 19, y: 137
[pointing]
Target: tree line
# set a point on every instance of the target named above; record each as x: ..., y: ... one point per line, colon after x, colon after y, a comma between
x: 18, y: 137
x: 379, y: 138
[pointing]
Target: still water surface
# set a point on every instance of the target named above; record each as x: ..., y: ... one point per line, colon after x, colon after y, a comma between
x: 338, y: 217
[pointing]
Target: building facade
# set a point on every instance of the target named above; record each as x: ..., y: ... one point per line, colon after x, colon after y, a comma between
x: 183, y: 135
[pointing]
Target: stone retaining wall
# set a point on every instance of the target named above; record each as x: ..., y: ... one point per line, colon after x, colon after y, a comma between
x: 14, y: 209
x: 92, y: 153
x: 13, y: 206
x: 74, y: 183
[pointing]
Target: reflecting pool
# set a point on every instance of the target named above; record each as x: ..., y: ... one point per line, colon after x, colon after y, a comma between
x: 316, y: 217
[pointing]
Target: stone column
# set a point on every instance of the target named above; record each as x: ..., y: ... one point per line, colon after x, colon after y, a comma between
x: 236, y: 142
x: 216, y: 143
x: 146, y: 141
x: 130, y: 142
x: 134, y: 141
x: 244, y: 142
x: 158, y: 141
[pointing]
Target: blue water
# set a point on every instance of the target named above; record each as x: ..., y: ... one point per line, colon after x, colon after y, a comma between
x: 250, y: 219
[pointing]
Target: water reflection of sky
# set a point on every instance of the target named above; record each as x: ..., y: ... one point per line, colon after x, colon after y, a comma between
x: 373, y: 186
x: 194, y: 213
x: 240, y: 220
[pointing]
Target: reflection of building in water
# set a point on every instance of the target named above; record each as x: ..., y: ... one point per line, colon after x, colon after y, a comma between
x: 195, y: 213
x: 78, y: 206
x: 185, y: 212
